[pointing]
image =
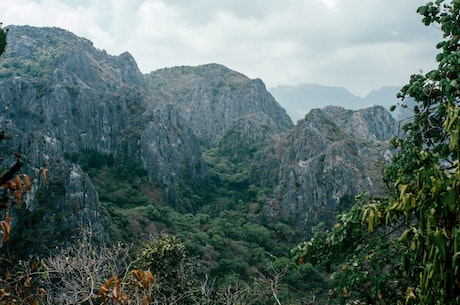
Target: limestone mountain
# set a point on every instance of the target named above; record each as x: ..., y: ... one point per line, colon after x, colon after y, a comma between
x: 330, y: 156
x: 211, y: 97
x: 60, y: 96
x: 191, y: 134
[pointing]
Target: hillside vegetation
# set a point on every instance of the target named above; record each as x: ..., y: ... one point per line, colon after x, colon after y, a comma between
x: 191, y: 185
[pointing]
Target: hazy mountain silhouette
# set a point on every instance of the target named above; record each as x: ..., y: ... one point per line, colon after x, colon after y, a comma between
x: 299, y: 100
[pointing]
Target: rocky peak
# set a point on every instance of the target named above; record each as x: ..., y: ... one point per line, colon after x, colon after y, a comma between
x: 372, y: 123
x: 326, y: 164
x: 60, y: 96
x: 211, y: 97
x: 58, y: 55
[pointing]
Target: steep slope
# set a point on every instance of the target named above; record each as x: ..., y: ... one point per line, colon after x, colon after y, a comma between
x: 330, y: 157
x: 211, y: 97
x: 65, y: 101
x: 54, y: 54
x: 202, y: 135
x: 373, y: 123
x: 60, y: 96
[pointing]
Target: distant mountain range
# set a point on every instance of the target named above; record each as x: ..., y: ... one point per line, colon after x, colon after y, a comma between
x: 299, y: 100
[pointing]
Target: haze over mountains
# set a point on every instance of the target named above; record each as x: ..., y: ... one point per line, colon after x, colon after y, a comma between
x: 300, y: 99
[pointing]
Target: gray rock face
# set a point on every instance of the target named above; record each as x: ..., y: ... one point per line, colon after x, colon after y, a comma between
x: 373, y: 123
x: 77, y: 208
x: 86, y: 99
x: 211, y: 97
x: 57, y: 55
x: 67, y: 199
x: 170, y: 153
x: 59, y: 95
x: 326, y: 164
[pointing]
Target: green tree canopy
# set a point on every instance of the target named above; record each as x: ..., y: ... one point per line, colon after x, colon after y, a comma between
x: 2, y: 40
x: 414, y: 232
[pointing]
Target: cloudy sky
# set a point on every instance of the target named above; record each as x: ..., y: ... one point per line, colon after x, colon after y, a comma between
x: 357, y: 44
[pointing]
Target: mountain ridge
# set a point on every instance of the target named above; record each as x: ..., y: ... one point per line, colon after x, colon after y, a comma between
x: 191, y: 132
x: 298, y: 100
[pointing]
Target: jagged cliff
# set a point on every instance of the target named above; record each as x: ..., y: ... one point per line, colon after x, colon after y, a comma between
x: 211, y: 97
x: 61, y: 97
x: 330, y: 156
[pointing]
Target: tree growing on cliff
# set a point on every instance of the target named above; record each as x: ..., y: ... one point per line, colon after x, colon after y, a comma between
x: 2, y: 40
x: 419, y: 222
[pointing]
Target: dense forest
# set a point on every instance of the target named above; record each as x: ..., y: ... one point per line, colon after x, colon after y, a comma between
x: 218, y: 246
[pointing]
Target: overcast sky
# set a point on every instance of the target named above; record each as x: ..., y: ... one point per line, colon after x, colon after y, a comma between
x: 357, y: 44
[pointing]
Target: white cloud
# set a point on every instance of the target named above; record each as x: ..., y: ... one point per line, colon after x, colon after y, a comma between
x: 331, y: 4
x: 359, y: 44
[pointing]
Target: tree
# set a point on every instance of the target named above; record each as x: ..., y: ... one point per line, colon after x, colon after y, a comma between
x: 428, y: 176
x: 166, y: 258
x: 421, y: 215
x: 2, y: 40
x: 360, y: 256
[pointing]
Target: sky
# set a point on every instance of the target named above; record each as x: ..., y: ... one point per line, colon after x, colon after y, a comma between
x: 360, y: 45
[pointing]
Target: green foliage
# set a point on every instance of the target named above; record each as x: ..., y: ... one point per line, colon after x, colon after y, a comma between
x: 229, y: 175
x: 356, y: 251
x: 92, y: 160
x: 28, y: 230
x: 225, y: 244
x: 166, y: 253
x: 36, y: 227
x: 40, y: 65
x: 412, y: 237
x: 427, y: 174
x: 124, y: 186
x: 2, y: 41
x: 235, y: 171
x: 166, y: 257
